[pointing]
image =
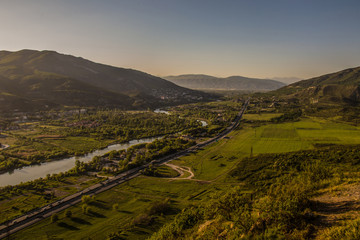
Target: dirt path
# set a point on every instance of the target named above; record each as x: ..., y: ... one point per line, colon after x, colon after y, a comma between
x: 181, y: 171
x: 3, y: 146
x: 340, y: 204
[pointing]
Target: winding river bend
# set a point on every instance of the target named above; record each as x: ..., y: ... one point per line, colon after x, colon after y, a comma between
x: 33, y: 172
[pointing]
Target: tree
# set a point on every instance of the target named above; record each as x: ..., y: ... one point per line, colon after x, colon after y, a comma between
x: 87, y: 209
x: 84, y: 206
x: 68, y: 213
x: 54, y: 218
x: 115, y: 206
x: 86, y: 199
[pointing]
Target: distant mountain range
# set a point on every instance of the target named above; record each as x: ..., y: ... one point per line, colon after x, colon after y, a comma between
x: 205, y: 82
x: 287, y: 80
x: 339, y: 87
x: 33, y: 80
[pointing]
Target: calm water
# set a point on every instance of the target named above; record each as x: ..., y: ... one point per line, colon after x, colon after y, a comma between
x: 36, y: 171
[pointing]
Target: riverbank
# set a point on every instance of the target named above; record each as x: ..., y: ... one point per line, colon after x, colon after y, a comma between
x: 32, y: 172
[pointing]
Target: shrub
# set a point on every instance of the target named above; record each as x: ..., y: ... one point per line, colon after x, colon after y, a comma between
x: 143, y: 219
x: 159, y: 207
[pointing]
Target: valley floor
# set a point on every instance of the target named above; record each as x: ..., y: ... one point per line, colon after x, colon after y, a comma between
x: 125, y: 208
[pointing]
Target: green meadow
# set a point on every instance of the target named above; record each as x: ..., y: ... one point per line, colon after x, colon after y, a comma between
x: 210, y: 165
x: 133, y: 199
x: 261, y: 116
x: 216, y: 160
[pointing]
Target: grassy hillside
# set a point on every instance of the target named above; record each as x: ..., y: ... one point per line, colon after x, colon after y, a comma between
x: 206, y: 82
x: 278, y: 199
x: 36, y: 90
x: 339, y: 87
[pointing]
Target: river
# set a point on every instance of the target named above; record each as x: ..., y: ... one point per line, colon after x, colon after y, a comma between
x: 33, y: 172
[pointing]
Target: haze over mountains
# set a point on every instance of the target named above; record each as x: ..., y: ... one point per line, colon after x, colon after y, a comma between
x: 206, y: 82
x: 338, y: 87
x: 32, y: 80
x: 287, y: 80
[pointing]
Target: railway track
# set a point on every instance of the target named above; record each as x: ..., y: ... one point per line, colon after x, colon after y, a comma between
x: 38, y: 214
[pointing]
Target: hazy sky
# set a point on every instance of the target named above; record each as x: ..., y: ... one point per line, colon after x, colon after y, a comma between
x: 254, y: 38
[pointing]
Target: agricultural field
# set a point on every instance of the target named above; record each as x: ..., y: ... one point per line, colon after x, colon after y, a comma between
x: 260, y: 117
x: 123, y: 208
x: 126, y: 209
x: 217, y: 159
x: 18, y: 202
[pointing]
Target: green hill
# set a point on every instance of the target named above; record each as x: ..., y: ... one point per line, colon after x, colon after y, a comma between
x: 31, y: 80
x: 199, y: 81
x: 338, y: 87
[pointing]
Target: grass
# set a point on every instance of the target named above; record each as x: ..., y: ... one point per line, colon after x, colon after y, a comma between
x: 79, y: 144
x: 348, y: 230
x: 211, y: 164
x: 219, y: 158
x: 261, y: 117
x: 8, y: 140
x: 133, y: 198
x: 12, y: 205
x: 166, y: 171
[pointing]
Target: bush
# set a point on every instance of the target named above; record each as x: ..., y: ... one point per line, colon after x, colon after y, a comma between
x: 158, y: 208
x: 143, y: 219
x: 86, y: 199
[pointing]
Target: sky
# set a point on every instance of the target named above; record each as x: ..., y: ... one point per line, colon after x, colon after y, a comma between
x: 252, y: 38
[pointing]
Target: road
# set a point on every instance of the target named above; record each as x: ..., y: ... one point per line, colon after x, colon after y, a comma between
x: 37, y: 215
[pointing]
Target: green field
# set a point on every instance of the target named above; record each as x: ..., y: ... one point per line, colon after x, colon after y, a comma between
x: 261, y: 117
x: 12, y: 205
x: 133, y: 198
x: 210, y: 166
x: 218, y: 158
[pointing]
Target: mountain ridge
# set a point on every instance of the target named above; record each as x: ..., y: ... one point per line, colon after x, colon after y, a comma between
x: 202, y: 81
x: 338, y: 87
x: 64, y: 80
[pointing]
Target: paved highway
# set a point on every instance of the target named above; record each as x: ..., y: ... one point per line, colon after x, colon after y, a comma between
x: 37, y: 215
